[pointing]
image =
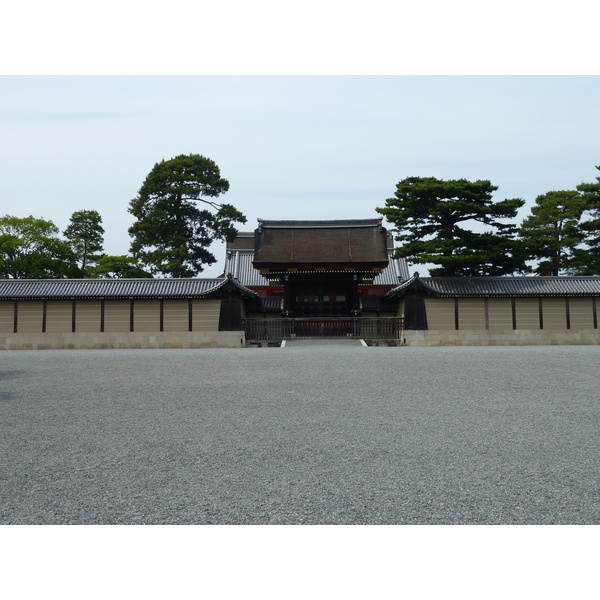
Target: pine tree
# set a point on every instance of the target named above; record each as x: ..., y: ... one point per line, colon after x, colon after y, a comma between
x: 429, y: 213
x: 553, y: 232
x: 86, y: 236
x: 172, y: 234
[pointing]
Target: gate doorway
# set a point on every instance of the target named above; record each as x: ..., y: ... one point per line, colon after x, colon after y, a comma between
x: 277, y: 330
x: 324, y: 299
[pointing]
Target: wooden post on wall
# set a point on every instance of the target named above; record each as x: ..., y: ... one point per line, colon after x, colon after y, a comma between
x: 486, y: 313
x: 513, y: 304
x: 456, y: 320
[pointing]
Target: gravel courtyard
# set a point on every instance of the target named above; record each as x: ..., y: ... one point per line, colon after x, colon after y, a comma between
x: 306, y: 434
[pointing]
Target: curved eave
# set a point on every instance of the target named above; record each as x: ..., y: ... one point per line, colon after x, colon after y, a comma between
x: 230, y: 284
x: 501, y: 287
x: 117, y: 289
x: 371, y: 271
x: 415, y: 283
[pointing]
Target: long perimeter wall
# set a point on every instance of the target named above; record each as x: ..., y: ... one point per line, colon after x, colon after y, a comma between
x: 508, y: 321
x: 45, y: 324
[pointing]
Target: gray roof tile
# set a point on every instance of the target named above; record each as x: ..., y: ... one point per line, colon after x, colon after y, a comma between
x: 265, y: 304
x: 15, y: 289
x: 502, y: 286
x: 344, y: 223
x: 239, y: 264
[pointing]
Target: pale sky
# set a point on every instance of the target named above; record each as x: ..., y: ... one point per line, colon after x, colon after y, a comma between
x: 292, y: 147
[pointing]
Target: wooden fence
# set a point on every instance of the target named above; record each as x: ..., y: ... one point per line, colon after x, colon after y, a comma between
x: 275, y: 330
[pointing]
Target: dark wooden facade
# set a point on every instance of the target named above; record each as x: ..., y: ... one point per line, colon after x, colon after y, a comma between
x: 319, y: 265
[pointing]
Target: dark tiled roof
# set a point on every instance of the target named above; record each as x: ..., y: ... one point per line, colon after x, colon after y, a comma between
x: 343, y: 223
x: 244, y: 240
x: 396, y: 270
x: 262, y: 304
x: 377, y: 302
x: 89, y: 289
x: 240, y: 264
x: 320, y: 244
x: 501, y: 286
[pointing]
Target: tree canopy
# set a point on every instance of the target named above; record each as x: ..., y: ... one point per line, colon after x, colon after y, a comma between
x: 586, y: 260
x: 30, y: 249
x: 553, y: 231
x: 86, y: 236
x: 172, y: 233
x: 118, y: 267
x: 429, y: 213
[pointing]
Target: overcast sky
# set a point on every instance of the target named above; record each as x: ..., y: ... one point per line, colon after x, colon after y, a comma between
x: 292, y: 147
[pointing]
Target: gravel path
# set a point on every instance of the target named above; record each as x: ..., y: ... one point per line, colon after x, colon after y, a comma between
x: 306, y: 434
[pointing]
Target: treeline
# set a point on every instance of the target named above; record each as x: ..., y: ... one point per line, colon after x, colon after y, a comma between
x: 561, y: 235
x: 432, y: 219
x: 170, y: 236
x: 30, y: 248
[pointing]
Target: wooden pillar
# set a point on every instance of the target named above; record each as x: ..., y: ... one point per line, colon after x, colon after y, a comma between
x: 355, y: 302
x: 287, y: 296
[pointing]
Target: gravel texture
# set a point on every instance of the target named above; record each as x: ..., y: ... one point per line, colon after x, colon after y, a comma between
x: 306, y: 434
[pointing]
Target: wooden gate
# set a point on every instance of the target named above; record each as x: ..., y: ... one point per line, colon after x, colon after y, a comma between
x: 276, y: 330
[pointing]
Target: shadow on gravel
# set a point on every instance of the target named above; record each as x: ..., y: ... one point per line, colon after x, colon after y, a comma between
x: 5, y: 377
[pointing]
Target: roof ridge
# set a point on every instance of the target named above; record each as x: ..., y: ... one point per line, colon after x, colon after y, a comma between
x: 316, y: 224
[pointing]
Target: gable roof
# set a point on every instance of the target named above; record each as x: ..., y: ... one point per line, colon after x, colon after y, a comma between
x: 239, y: 263
x: 322, y: 244
x: 500, y: 286
x: 117, y: 289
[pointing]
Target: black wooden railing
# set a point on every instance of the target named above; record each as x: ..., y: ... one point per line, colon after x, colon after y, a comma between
x: 275, y: 330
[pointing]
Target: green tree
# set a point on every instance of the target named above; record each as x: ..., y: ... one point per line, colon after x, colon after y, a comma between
x: 552, y: 232
x: 429, y: 215
x: 586, y: 259
x: 118, y: 267
x: 86, y: 236
x: 172, y: 234
x: 30, y: 249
